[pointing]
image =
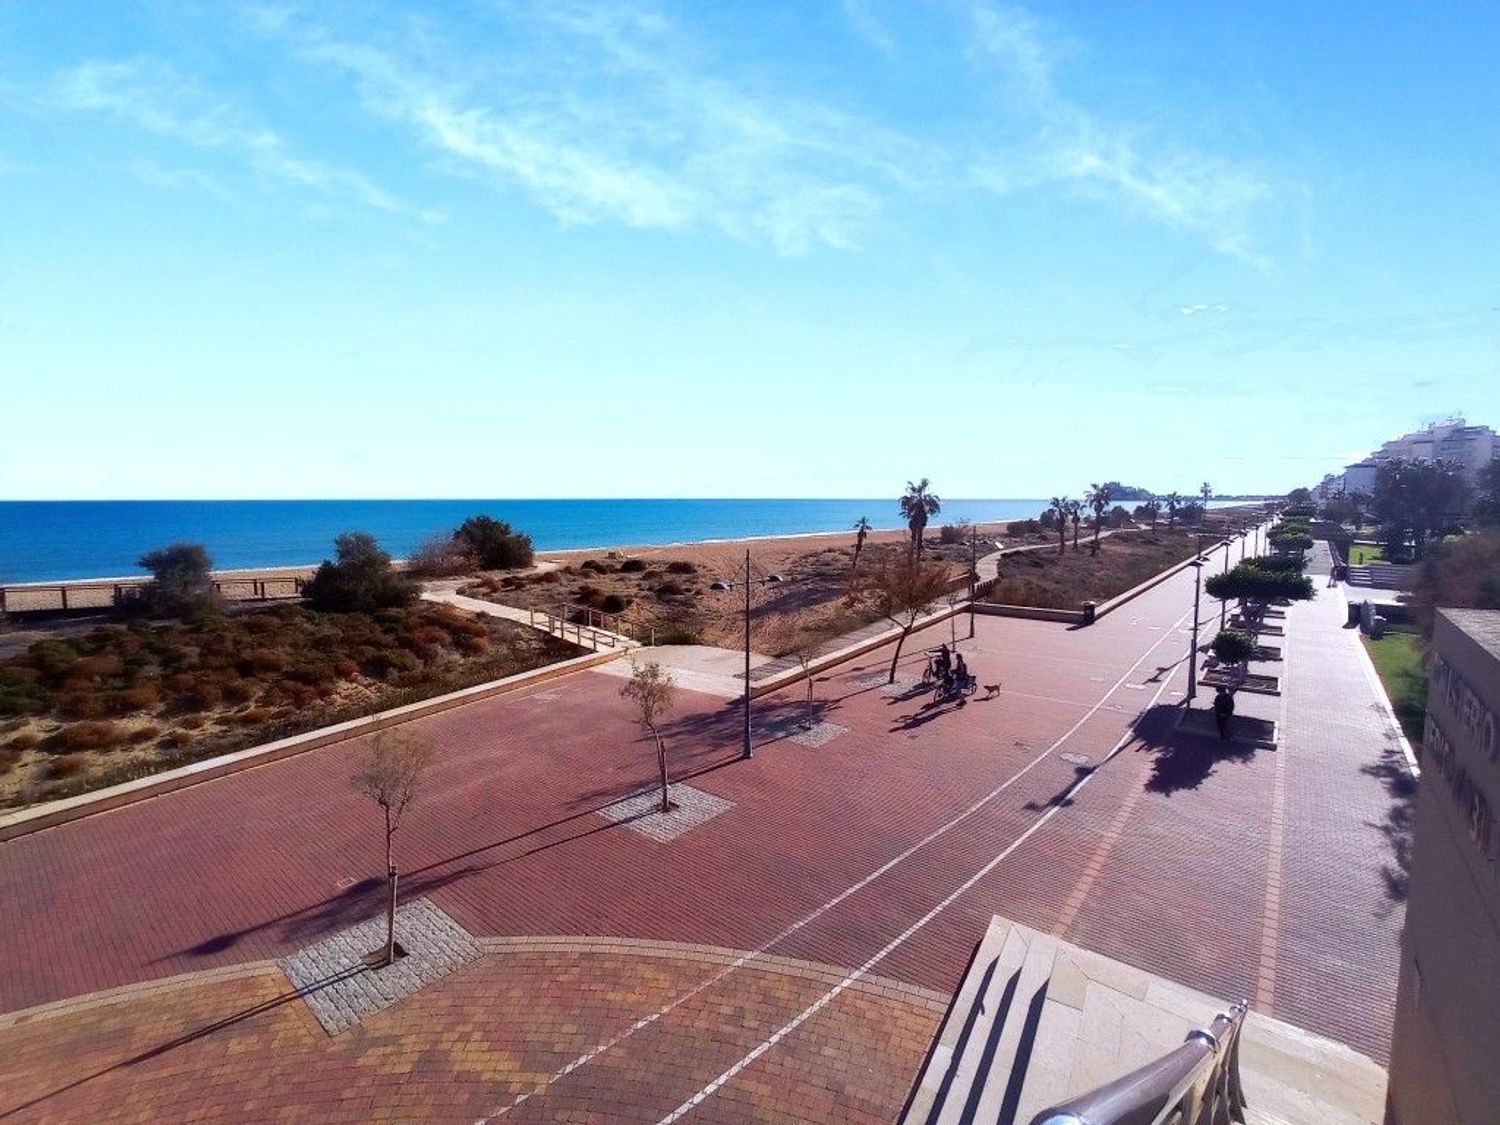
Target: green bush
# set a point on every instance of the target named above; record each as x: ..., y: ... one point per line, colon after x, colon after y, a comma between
x: 1280, y: 564
x: 494, y: 543
x: 1248, y: 582
x: 613, y: 603
x: 1234, y: 646
x: 181, y: 580
x: 360, y: 579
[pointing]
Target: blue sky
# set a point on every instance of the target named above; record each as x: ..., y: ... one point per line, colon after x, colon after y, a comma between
x: 758, y: 249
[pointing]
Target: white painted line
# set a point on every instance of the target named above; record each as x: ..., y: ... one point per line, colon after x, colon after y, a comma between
x: 828, y: 997
x: 742, y: 960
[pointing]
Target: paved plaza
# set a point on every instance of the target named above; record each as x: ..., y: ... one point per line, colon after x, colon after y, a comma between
x: 788, y: 954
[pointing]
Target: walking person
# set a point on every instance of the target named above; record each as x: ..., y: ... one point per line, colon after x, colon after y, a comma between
x: 1223, y: 712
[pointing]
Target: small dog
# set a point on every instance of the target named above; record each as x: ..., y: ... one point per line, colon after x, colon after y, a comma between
x: 991, y: 690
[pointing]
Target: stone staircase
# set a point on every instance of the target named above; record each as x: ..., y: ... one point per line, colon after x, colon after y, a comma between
x: 1037, y: 1021
x: 1383, y: 576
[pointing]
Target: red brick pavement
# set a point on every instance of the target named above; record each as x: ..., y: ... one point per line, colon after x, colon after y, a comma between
x: 485, y: 1034
x: 505, y: 838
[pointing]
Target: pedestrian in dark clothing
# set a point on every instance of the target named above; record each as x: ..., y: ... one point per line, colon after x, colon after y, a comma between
x: 1223, y: 712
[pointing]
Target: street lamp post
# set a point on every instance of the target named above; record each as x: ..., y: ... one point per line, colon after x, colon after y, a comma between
x: 745, y: 751
x: 973, y: 575
x: 721, y: 585
x: 1224, y: 605
x: 1192, y: 690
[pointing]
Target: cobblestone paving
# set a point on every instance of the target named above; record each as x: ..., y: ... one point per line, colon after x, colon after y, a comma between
x: 341, y: 991
x: 642, y: 812
x: 467, y: 1046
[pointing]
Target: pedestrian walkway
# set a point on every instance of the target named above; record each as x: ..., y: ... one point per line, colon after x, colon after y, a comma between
x: 586, y: 635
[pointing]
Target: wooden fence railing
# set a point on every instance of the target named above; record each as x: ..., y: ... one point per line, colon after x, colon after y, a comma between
x: 50, y: 597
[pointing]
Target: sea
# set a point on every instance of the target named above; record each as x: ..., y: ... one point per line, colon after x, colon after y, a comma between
x: 50, y: 541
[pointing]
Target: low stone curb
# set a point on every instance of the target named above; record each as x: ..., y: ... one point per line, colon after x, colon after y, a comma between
x: 25, y: 821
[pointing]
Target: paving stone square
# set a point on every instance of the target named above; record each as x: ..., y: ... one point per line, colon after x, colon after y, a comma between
x: 642, y: 812
x: 341, y: 991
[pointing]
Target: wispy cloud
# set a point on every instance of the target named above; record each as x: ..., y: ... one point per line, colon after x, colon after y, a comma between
x: 868, y: 26
x: 623, y: 121
x: 1199, y: 309
x: 155, y: 97
x: 1172, y: 183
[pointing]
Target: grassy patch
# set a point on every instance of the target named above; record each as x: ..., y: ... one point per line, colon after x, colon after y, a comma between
x: 1067, y: 580
x: 1361, y: 554
x: 1398, y: 659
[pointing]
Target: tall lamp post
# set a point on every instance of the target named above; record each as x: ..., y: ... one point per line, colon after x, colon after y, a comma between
x: 1192, y: 691
x: 721, y: 585
x: 1224, y: 605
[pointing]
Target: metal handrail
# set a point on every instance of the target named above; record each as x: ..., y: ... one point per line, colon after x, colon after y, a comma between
x: 1198, y: 1083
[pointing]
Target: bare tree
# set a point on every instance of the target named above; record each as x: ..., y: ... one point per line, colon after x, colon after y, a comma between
x: 901, y: 586
x: 390, y: 777
x: 650, y: 688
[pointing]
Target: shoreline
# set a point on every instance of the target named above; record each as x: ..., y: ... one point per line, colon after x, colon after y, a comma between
x: 302, y: 570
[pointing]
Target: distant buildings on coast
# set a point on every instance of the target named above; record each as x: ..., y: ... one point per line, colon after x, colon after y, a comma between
x: 1471, y: 447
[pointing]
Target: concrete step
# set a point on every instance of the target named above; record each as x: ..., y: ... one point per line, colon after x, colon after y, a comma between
x: 979, y: 1009
x: 1014, y: 1047
x: 1038, y: 1021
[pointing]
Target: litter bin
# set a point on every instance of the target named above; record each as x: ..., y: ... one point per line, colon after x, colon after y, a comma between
x: 1353, y: 613
x: 1088, y: 613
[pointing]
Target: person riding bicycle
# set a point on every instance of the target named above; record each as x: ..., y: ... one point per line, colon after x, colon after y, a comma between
x: 942, y: 663
x: 960, y: 672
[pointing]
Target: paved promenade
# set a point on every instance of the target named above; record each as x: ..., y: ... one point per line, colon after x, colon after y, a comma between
x: 871, y: 837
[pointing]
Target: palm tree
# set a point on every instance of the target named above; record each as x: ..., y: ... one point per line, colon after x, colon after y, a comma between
x: 1098, y: 500
x: 917, y: 507
x: 1075, y: 513
x: 1153, y: 509
x: 861, y: 529
x: 1206, y: 491
x: 1173, y: 501
x: 1059, y: 511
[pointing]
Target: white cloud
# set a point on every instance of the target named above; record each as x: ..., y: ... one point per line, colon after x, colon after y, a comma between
x: 153, y: 96
x: 1195, y: 310
x: 1172, y: 183
x: 621, y: 121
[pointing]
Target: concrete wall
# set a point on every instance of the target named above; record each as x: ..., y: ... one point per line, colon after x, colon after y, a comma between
x: 1445, y: 1060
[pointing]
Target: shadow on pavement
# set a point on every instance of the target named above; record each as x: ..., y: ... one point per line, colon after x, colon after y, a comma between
x: 1399, y: 823
x: 186, y: 1038
x: 1182, y: 760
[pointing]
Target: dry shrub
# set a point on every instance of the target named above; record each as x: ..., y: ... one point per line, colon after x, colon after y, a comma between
x: 193, y: 722
x: 59, y: 768
x: 261, y: 661
x: 23, y: 741
x: 255, y: 716
x: 141, y: 697
x: 474, y: 645
x: 346, y: 669
x: 175, y: 738
x: 96, y: 667
x: 91, y: 735
x: 82, y: 705
x: 145, y: 733
x: 239, y: 691
x: 8, y: 758
x: 441, y: 556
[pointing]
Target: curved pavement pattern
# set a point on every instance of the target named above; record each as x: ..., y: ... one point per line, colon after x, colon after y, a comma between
x: 887, y: 844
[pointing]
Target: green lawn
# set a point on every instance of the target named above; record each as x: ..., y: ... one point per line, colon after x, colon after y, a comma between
x: 1398, y: 659
x: 1361, y: 553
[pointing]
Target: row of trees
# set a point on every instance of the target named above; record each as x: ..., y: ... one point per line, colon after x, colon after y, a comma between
x: 1413, y: 503
x: 360, y: 576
